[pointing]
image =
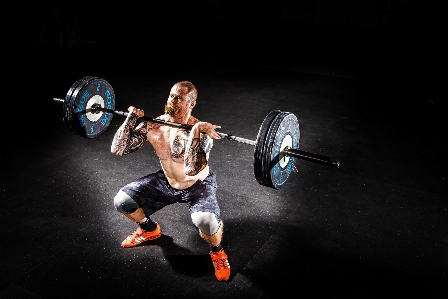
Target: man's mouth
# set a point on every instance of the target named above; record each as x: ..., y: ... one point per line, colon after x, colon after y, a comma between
x: 170, y: 109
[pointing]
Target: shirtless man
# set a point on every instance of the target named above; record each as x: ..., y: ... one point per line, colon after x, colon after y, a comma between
x: 185, y: 176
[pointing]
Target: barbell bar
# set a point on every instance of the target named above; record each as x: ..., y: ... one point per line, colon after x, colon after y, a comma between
x: 89, y: 106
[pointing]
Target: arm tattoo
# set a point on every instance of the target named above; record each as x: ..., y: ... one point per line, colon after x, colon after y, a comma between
x: 195, y: 158
x: 127, y: 139
x: 206, y: 143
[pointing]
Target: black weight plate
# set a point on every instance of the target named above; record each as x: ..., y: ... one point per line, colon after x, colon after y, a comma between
x: 258, y: 151
x: 93, y: 91
x: 267, y: 148
x: 286, y: 135
x: 71, y: 117
x: 67, y: 109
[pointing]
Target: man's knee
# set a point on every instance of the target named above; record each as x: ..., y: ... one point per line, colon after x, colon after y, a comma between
x: 208, y: 223
x: 124, y: 203
x: 214, y: 237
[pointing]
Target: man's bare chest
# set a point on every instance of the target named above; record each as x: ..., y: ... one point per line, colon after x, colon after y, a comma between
x: 169, y: 143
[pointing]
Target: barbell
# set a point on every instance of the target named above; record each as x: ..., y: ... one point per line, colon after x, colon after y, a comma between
x: 89, y: 106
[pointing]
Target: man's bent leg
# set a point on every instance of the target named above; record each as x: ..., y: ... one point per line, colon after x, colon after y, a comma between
x: 146, y: 230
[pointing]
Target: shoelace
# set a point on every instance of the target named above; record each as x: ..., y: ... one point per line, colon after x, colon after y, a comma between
x: 221, y: 263
x: 134, y: 234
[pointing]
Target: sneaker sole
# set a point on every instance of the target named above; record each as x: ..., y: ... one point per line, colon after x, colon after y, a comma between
x: 149, y: 239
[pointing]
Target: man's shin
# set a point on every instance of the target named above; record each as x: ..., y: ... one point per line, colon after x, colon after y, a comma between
x: 216, y: 238
x: 137, y: 216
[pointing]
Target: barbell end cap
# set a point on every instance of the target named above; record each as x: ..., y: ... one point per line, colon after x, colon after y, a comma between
x: 334, y: 162
x: 58, y: 100
x: 337, y: 164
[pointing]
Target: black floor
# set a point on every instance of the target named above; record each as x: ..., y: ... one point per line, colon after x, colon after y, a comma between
x: 377, y: 227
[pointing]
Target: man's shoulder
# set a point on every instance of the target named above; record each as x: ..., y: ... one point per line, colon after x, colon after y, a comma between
x: 193, y: 120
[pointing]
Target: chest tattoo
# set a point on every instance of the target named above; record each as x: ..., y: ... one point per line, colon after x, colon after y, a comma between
x: 178, y: 145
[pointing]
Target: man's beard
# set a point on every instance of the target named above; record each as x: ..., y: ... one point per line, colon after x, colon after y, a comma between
x: 170, y: 109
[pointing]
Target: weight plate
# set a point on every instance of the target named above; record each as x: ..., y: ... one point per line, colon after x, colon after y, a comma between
x: 287, y: 135
x: 71, y: 117
x: 268, y: 147
x: 67, y: 109
x: 92, y: 91
x: 278, y: 131
x: 258, y: 151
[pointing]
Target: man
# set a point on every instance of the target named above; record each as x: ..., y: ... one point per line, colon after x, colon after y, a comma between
x: 185, y: 176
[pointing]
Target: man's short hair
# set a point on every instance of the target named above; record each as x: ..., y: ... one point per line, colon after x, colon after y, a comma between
x: 192, y: 92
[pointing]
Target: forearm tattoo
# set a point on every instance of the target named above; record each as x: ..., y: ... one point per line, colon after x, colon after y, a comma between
x: 127, y: 139
x: 195, y: 158
x: 206, y: 143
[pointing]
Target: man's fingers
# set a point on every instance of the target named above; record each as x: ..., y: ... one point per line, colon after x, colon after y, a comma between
x: 140, y: 113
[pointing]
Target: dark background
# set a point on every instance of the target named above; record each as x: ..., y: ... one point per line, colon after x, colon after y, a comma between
x: 400, y: 46
x: 366, y: 79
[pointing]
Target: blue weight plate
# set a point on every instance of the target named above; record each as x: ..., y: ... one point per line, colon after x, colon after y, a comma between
x: 92, y: 91
x: 287, y: 134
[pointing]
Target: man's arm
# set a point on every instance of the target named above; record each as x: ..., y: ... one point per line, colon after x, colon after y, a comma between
x: 128, y: 139
x: 198, y: 146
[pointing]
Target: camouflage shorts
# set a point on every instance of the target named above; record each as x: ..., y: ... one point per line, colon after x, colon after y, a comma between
x: 153, y: 192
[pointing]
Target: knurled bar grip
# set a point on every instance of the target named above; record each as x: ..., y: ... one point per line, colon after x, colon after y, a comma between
x: 187, y: 127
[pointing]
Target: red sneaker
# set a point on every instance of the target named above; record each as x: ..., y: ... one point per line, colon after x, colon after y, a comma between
x: 221, y: 264
x: 140, y: 236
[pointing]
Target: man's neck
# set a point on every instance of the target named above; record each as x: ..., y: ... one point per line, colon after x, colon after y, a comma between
x: 180, y: 118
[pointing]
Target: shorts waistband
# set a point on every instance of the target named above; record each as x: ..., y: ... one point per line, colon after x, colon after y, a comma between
x: 162, y: 177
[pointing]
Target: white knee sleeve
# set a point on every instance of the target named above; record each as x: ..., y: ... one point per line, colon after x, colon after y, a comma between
x: 207, y: 222
x: 124, y: 203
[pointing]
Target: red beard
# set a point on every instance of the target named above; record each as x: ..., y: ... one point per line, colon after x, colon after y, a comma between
x: 170, y: 109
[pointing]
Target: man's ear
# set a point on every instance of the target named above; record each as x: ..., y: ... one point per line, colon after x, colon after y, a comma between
x: 192, y: 104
